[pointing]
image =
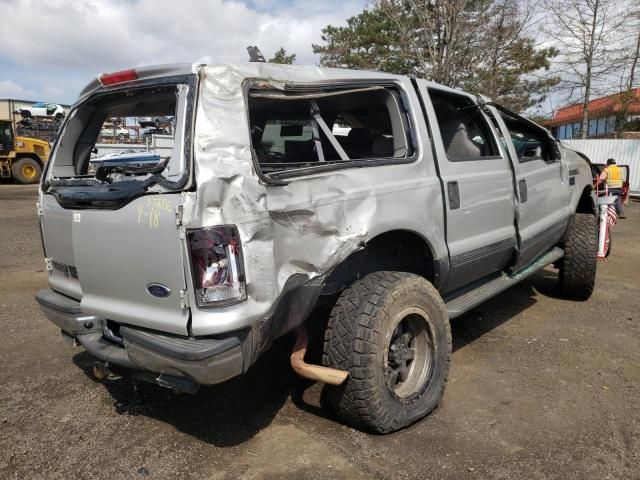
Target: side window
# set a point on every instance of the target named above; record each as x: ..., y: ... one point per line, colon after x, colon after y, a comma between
x: 530, y: 142
x: 465, y: 132
x: 292, y: 130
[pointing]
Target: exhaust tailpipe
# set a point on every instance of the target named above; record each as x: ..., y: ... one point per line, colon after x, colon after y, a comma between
x: 332, y: 376
x: 100, y: 370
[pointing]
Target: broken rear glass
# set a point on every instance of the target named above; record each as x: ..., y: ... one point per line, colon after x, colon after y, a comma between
x: 134, y: 138
x: 292, y: 131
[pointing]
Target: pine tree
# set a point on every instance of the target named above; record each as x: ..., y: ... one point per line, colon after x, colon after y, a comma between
x: 477, y: 45
x: 281, y: 57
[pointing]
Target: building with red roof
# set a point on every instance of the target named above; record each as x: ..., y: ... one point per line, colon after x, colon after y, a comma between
x: 603, y: 113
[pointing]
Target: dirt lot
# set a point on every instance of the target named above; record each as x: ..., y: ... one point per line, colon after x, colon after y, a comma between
x: 539, y: 388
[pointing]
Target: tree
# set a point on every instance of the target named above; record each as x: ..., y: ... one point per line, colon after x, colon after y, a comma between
x: 441, y: 36
x: 477, y: 45
x: 586, y: 31
x: 370, y: 41
x: 511, y: 68
x: 281, y: 57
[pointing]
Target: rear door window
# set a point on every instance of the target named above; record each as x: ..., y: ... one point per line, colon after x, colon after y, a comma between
x: 465, y: 133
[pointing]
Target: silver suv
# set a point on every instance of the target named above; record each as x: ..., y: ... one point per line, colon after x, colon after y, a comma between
x: 401, y: 202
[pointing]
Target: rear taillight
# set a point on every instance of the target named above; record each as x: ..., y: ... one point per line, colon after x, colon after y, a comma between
x: 118, y: 77
x: 217, y: 266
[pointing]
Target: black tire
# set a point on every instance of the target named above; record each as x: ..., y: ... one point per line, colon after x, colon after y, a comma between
x: 26, y: 171
x: 367, y: 329
x: 577, y: 276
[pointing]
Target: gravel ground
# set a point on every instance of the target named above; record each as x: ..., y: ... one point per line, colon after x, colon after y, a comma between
x: 540, y: 387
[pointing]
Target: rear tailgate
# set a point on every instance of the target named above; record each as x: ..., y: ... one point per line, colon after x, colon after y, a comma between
x: 117, y: 255
x: 121, y: 254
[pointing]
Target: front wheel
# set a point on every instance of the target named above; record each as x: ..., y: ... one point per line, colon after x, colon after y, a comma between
x: 26, y: 171
x: 577, y: 275
x: 390, y: 331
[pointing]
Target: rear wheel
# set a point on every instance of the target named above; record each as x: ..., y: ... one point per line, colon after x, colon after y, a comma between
x: 26, y: 170
x: 577, y: 275
x: 390, y: 331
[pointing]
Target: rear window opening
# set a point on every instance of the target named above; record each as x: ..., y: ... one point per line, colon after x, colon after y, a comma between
x: 123, y: 143
x: 129, y: 127
x: 295, y: 130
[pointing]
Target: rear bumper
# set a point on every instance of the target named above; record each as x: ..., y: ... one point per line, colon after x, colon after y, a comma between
x: 205, y: 361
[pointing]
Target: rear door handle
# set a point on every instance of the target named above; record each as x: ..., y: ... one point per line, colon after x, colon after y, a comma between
x: 453, y: 191
x: 522, y: 188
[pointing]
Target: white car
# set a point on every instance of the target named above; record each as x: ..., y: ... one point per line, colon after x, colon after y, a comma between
x: 42, y: 109
x: 119, y: 133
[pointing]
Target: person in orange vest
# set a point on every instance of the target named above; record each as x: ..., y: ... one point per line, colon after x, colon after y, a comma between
x: 612, y: 174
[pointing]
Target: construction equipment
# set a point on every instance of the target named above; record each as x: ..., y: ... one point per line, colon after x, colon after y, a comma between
x: 21, y: 158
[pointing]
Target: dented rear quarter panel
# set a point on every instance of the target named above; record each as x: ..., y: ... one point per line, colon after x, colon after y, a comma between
x: 294, y: 234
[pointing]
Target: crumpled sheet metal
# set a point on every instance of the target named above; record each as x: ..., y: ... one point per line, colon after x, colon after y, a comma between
x: 285, y: 230
x: 302, y: 229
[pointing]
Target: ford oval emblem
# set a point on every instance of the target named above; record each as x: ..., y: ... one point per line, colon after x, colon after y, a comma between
x: 158, y: 290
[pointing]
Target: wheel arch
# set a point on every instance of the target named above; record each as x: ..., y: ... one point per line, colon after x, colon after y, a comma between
x: 399, y: 249
x: 586, y: 202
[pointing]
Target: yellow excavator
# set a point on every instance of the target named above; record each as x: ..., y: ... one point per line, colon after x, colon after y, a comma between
x: 21, y: 158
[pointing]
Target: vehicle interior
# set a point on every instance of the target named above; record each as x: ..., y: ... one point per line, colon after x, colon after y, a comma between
x: 294, y: 130
x: 465, y: 133
x: 92, y: 121
x: 529, y: 141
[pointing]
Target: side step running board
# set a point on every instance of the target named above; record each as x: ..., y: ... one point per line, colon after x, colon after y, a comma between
x: 469, y: 297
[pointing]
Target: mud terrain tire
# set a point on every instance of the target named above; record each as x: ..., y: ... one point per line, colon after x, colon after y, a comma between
x: 390, y: 331
x: 577, y: 276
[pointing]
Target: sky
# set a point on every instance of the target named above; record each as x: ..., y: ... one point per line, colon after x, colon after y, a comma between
x: 51, y: 48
